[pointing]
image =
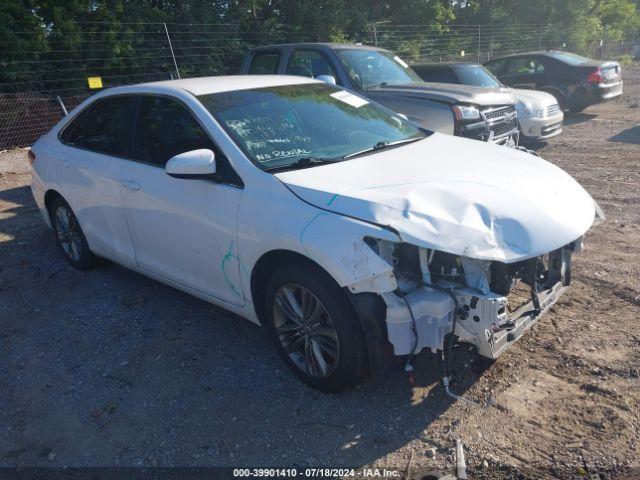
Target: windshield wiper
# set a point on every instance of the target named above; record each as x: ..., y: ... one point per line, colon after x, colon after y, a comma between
x: 381, y: 145
x: 304, y: 162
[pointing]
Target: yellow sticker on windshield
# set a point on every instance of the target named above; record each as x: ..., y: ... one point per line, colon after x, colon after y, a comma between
x: 401, y: 62
x: 94, y: 82
x: 349, y: 98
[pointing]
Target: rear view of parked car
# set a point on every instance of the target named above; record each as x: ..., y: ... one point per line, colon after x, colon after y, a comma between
x: 575, y: 81
x: 387, y: 79
x: 350, y: 234
x: 539, y: 114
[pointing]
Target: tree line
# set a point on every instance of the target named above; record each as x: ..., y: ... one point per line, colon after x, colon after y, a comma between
x: 55, y: 44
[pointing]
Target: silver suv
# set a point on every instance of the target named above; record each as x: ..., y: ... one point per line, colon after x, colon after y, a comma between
x: 384, y: 77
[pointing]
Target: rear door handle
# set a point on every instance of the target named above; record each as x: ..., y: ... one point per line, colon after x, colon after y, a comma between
x: 65, y: 164
x: 130, y: 184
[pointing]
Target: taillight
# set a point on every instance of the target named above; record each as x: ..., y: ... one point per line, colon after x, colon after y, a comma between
x: 595, y: 76
x: 32, y: 156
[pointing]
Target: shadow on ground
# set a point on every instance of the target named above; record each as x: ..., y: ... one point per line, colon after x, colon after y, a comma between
x: 574, y: 119
x: 110, y: 368
x: 630, y: 135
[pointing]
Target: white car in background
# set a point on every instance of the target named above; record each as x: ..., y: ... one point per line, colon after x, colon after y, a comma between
x: 539, y: 115
x: 349, y: 233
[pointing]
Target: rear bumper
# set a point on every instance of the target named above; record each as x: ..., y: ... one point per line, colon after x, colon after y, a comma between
x: 592, y: 94
x: 38, y: 191
x: 605, y: 91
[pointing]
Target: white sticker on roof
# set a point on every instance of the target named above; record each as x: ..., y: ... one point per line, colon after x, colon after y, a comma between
x: 349, y: 98
x: 401, y: 62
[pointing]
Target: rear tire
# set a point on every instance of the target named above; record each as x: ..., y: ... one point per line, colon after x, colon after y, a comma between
x: 559, y: 98
x: 69, y: 236
x: 314, y: 327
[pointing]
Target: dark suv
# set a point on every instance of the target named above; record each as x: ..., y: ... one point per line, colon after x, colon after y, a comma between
x: 575, y: 81
x: 385, y: 78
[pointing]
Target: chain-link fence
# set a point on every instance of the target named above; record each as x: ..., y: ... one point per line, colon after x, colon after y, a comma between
x: 37, y: 83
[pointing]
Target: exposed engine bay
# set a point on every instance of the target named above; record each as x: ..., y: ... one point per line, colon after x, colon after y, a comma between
x: 489, y: 304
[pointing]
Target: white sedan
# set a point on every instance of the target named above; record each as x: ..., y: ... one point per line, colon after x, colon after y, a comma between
x: 349, y: 233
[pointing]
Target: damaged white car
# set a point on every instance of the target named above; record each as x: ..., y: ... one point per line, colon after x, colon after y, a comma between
x: 348, y: 232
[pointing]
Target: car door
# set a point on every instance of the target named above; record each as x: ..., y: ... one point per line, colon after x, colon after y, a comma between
x: 184, y: 230
x: 94, y: 149
x: 524, y: 72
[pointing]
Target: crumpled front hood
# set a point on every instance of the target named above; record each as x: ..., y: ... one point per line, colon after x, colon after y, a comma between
x: 456, y: 195
x: 446, y: 92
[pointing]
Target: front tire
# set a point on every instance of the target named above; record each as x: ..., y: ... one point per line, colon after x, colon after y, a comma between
x: 314, y: 327
x: 69, y: 236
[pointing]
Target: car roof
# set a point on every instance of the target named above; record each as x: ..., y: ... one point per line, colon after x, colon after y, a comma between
x: 545, y: 53
x: 327, y: 45
x: 224, y: 83
x: 447, y: 64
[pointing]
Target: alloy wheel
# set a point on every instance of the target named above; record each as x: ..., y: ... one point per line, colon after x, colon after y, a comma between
x: 305, y: 330
x: 68, y: 232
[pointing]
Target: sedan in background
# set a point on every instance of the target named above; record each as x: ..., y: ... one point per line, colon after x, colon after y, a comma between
x: 575, y: 81
x: 539, y: 115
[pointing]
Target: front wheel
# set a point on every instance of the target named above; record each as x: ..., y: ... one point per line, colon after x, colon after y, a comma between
x: 69, y: 236
x: 314, y: 327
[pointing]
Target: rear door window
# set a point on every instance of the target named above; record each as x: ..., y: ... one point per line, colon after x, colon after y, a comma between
x: 264, y: 63
x: 105, y: 127
x: 496, y: 66
x: 524, y: 66
x: 441, y: 75
x: 166, y: 128
x: 309, y: 63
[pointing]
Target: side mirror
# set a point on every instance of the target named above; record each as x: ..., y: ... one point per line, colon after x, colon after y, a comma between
x: 193, y: 164
x: 327, y: 79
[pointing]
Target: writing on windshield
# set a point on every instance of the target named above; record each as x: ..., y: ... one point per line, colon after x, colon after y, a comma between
x: 278, y: 126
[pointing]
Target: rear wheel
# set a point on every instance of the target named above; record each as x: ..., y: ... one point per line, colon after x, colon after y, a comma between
x: 559, y: 98
x: 69, y: 236
x: 314, y: 327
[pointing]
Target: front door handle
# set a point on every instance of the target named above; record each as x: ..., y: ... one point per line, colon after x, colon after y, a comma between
x: 130, y: 184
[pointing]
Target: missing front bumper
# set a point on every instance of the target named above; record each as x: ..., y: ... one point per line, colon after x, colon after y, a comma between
x: 424, y: 317
x: 492, y: 339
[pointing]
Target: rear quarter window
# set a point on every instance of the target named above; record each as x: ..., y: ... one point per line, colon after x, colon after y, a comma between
x: 105, y: 127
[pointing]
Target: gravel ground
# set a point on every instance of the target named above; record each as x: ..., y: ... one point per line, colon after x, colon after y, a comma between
x: 109, y: 368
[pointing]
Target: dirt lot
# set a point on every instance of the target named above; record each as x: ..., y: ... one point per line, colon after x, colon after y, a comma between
x: 109, y: 368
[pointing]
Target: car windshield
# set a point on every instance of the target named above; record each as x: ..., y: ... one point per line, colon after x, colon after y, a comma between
x: 292, y: 126
x: 570, y: 58
x: 373, y: 68
x: 477, y: 76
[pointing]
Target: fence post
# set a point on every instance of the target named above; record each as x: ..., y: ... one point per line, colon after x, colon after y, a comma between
x: 479, y: 37
x: 604, y: 42
x: 541, y: 33
x: 375, y: 34
x: 62, y: 106
x: 171, y: 48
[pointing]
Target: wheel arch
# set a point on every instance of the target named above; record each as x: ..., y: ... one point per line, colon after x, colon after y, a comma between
x: 263, y: 268
x: 49, y: 197
x: 558, y: 92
